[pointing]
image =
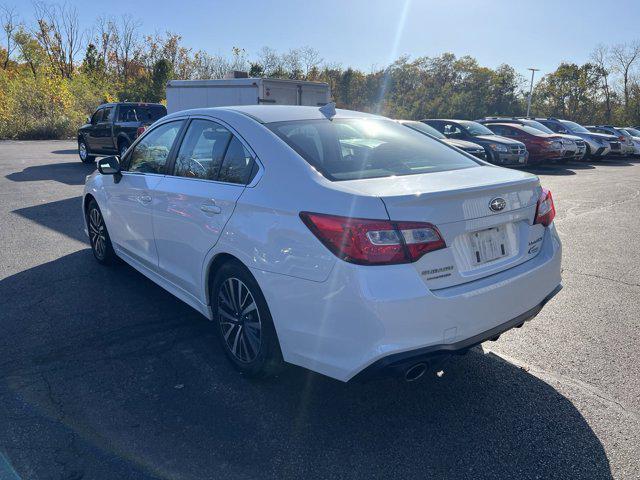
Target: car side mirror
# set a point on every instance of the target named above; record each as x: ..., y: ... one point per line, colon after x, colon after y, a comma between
x: 109, y: 165
x: 88, y: 118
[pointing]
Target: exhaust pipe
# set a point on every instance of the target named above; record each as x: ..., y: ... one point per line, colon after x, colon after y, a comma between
x: 415, y: 372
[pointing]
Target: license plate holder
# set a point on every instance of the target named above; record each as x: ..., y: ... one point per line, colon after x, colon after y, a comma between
x: 489, y: 245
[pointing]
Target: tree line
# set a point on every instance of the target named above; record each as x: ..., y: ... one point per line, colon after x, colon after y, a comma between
x: 54, y: 73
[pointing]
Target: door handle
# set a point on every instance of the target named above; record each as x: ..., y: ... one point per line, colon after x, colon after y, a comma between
x: 145, y: 198
x: 210, y: 208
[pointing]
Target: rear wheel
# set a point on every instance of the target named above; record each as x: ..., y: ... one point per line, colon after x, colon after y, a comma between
x: 83, y: 152
x: 99, y: 236
x: 246, y: 329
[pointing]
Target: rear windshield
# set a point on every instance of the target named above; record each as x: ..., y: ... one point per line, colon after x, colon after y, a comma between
x: 141, y: 113
x: 349, y: 149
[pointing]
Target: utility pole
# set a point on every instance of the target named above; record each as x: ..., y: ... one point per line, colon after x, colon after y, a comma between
x: 533, y: 72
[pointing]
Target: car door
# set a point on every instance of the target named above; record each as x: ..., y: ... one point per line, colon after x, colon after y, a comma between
x: 91, y: 138
x: 130, y: 197
x: 194, y: 203
x: 102, y: 130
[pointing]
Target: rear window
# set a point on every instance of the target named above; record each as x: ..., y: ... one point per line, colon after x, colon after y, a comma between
x: 349, y: 149
x: 141, y: 113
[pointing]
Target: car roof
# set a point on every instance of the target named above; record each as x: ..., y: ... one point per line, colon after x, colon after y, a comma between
x: 277, y: 113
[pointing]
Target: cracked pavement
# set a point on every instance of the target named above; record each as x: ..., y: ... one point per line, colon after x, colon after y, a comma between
x: 104, y: 375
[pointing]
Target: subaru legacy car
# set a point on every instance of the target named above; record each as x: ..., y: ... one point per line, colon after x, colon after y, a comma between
x: 339, y: 241
x: 500, y: 150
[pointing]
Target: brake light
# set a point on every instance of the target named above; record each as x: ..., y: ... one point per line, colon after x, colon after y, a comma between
x: 140, y: 131
x: 545, y: 210
x: 373, y: 242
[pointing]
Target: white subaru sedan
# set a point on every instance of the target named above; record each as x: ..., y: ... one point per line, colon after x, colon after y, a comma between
x: 335, y: 240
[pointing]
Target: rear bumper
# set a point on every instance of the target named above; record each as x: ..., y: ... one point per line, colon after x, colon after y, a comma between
x: 397, y: 364
x: 361, y: 316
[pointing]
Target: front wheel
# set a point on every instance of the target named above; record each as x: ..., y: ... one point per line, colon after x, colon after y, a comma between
x: 246, y: 329
x: 99, y: 236
x: 83, y: 152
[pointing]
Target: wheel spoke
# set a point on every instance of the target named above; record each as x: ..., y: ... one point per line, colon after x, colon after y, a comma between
x: 239, y: 319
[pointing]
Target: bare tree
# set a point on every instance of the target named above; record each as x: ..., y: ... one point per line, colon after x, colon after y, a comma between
x: 310, y: 59
x: 126, y: 39
x: 9, y: 21
x: 58, y: 31
x: 600, y: 58
x: 104, y: 38
x: 623, y: 57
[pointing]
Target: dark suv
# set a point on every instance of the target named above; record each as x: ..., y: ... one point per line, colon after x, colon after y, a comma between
x: 500, y: 150
x: 114, y: 126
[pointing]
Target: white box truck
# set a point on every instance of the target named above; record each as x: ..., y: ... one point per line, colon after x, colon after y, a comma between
x: 186, y: 94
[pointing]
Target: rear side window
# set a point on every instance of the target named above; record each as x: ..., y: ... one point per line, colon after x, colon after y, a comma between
x: 238, y: 164
x: 150, y: 154
x: 141, y: 113
x: 202, y: 150
x: 349, y: 149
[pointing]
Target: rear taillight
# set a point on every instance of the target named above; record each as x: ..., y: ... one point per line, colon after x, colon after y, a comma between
x: 140, y: 131
x: 545, y: 210
x: 373, y: 242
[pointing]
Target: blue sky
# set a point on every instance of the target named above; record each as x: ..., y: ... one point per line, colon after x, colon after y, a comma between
x: 366, y: 33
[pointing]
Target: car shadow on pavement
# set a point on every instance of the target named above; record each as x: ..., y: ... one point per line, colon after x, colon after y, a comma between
x: 64, y: 216
x: 549, y: 170
x: 69, y: 151
x: 69, y: 173
x: 105, y: 375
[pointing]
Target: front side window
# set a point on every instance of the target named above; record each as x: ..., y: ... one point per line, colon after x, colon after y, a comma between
x: 350, y: 149
x: 97, y: 116
x: 151, y: 153
x: 106, y: 114
x: 202, y: 150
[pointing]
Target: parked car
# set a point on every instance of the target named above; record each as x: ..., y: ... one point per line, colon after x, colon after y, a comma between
x: 598, y: 145
x: 114, y: 126
x: 575, y: 148
x: 499, y: 150
x: 348, y: 255
x: 469, y: 147
x: 541, y: 146
x: 635, y: 136
x: 623, y: 139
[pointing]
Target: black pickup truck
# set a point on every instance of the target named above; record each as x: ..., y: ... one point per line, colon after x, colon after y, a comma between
x: 114, y: 126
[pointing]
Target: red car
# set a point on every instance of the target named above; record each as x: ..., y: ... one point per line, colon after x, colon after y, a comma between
x: 542, y: 147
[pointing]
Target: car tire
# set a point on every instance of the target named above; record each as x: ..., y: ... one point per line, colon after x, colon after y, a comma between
x: 245, y: 326
x: 122, y: 148
x: 83, y: 152
x: 99, y: 236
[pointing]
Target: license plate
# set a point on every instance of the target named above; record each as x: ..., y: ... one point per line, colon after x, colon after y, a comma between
x: 522, y: 158
x: 489, y: 245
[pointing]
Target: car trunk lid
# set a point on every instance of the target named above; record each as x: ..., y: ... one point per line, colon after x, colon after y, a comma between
x: 484, y: 214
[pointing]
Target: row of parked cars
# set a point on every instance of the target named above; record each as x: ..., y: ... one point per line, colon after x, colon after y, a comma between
x: 531, y: 141
x: 504, y: 141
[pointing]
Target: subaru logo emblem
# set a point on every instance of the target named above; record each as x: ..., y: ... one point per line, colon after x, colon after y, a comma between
x: 497, y: 204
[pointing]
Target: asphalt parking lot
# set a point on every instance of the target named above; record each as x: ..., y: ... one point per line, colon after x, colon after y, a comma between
x: 104, y: 375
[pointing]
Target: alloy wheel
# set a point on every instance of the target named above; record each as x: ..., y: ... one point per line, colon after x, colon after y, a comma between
x: 97, y: 233
x: 83, y: 151
x: 239, y: 320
